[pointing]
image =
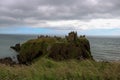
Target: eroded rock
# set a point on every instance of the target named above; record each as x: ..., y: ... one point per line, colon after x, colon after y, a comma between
x: 70, y: 47
x: 16, y: 47
x: 7, y: 61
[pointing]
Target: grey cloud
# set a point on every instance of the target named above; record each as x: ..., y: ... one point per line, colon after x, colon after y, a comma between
x: 61, y: 28
x: 20, y: 10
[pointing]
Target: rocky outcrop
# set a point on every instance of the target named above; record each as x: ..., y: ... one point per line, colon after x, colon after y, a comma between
x: 16, y: 47
x: 7, y: 61
x: 74, y: 48
x: 34, y: 48
x: 70, y: 47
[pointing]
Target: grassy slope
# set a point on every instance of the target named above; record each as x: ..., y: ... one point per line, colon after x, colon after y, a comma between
x: 42, y: 46
x: 46, y: 69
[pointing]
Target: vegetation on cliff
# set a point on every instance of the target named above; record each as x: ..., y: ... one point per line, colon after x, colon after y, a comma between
x: 70, y: 47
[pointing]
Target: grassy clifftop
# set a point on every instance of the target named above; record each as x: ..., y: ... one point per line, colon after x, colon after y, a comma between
x: 34, y: 48
x: 70, y: 47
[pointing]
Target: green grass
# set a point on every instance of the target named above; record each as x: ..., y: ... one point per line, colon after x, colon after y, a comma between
x: 47, y: 69
x: 33, y: 47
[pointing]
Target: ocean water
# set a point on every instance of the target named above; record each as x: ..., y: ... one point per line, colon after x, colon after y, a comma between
x: 10, y: 40
x: 102, y: 48
x: 105, y: 48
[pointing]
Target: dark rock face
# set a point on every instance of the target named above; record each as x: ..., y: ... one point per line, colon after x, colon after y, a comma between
x: 27, y: 59
x: 62, y: 51
x: 7, y: 61
x: 75, y: 48
x: 31, y: 50
x: 70, y: 47
x: 16, y: 47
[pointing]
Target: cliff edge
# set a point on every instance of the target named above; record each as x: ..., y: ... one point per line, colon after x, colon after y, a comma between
x: 56, y: 48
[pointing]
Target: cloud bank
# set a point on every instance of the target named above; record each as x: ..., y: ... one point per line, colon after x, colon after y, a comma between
x: 60, y: 14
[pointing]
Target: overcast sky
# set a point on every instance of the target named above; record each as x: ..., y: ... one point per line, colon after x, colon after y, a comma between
x: 90, y: 17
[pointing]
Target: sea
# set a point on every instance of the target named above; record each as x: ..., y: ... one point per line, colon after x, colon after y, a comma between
x: 102, y: 48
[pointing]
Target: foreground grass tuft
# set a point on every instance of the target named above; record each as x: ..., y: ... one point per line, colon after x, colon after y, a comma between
x: 47, y: 69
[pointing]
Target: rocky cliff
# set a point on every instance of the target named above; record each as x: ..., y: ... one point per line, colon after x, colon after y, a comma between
x: 70, y: 47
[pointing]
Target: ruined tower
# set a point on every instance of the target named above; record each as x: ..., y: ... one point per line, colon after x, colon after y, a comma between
x: 72, y: 36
